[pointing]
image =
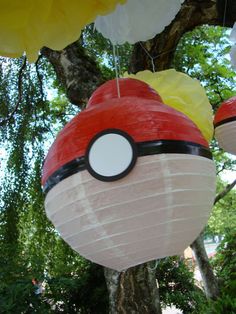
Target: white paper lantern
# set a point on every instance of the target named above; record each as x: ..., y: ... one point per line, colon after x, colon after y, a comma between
x: 137, y: 20
x: 232, y: 52
x: 129, y: 179
x: 225, y: 125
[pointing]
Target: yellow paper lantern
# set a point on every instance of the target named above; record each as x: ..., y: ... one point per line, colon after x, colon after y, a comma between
x: 180, y: 91
x: 27, y: 26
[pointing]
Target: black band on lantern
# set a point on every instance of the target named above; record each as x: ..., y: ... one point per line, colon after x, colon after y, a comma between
x: 72, y: 167
x: 231, y: 119
x: 172, y: 147
x: 142, y: 149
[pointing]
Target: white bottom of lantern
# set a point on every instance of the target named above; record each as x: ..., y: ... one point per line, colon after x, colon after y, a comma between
x: 226, y: 136
x: 157, y: 210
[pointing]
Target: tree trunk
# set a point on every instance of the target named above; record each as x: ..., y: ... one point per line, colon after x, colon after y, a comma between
x: 209, y: 280
x: 76, y: 71
x: 133, y: 291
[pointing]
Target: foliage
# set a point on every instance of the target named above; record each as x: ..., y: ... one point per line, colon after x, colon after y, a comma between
x: 225, y: 260
x: 105, y: 53
x: 224, y: 264
x: 223, y: 216
x: 19, y: 297
x: 28, y: 240
x: 202, y: 54
x: 176, y: 285
x: 78, y: 293
x: 85, y: 293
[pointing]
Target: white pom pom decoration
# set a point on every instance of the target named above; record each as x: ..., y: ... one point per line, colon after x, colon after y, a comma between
x: 137, y: 20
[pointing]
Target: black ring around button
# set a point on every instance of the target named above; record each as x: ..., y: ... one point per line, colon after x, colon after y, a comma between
x: 123, y: 173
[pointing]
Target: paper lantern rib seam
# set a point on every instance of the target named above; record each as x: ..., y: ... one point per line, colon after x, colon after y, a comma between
x: 114, y: 235
x: 171, y: 220
x: 165, y: 239
x: 104, y: 208
x: 93, y: 227
x: 125, y: 186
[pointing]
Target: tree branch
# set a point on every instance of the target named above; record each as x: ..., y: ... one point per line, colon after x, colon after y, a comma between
x: 39, y: 77
x: 226, y: 190
x: 20, y: 76
x: 209, y: 280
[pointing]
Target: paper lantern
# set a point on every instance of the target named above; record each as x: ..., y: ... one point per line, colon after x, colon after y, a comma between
x: 137, y: 20
x: 233, y: 48
x: 232, y: 54
x: 225, y: 125
x: 129, y: 179
x: 27, y: 26
x: 183, y: 93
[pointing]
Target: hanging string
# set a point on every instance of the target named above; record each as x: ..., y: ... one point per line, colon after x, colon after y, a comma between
x: 157, y: 56
x: 151, y: 58
x: 225, y: 10
x: 116, y: 70
x: 118, y: 59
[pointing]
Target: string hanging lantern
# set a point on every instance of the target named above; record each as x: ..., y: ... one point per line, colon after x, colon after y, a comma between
x: 129, y: 179
x: 225, y: 125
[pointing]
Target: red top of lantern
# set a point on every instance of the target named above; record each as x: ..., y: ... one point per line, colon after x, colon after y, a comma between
x: 138, y: 112
x: 127, y: 87
x: 226, y: 111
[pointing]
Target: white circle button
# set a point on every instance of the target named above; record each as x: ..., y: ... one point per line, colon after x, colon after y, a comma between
x: 110, y: 155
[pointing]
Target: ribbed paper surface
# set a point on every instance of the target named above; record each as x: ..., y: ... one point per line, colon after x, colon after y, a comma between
x: 156, y: 211
x: 226, y: 136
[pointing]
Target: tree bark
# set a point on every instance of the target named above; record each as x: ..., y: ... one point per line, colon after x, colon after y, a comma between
x: 133, y: 291
x: 76, y: 71
x: 209, y: 280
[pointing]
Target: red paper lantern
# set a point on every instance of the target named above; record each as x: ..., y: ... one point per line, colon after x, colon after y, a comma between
x: 129, y: 179
x: 225, y: 125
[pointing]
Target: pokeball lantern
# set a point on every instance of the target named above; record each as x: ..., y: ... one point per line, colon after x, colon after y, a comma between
x: 225, y: 125
x: 129, y: 179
